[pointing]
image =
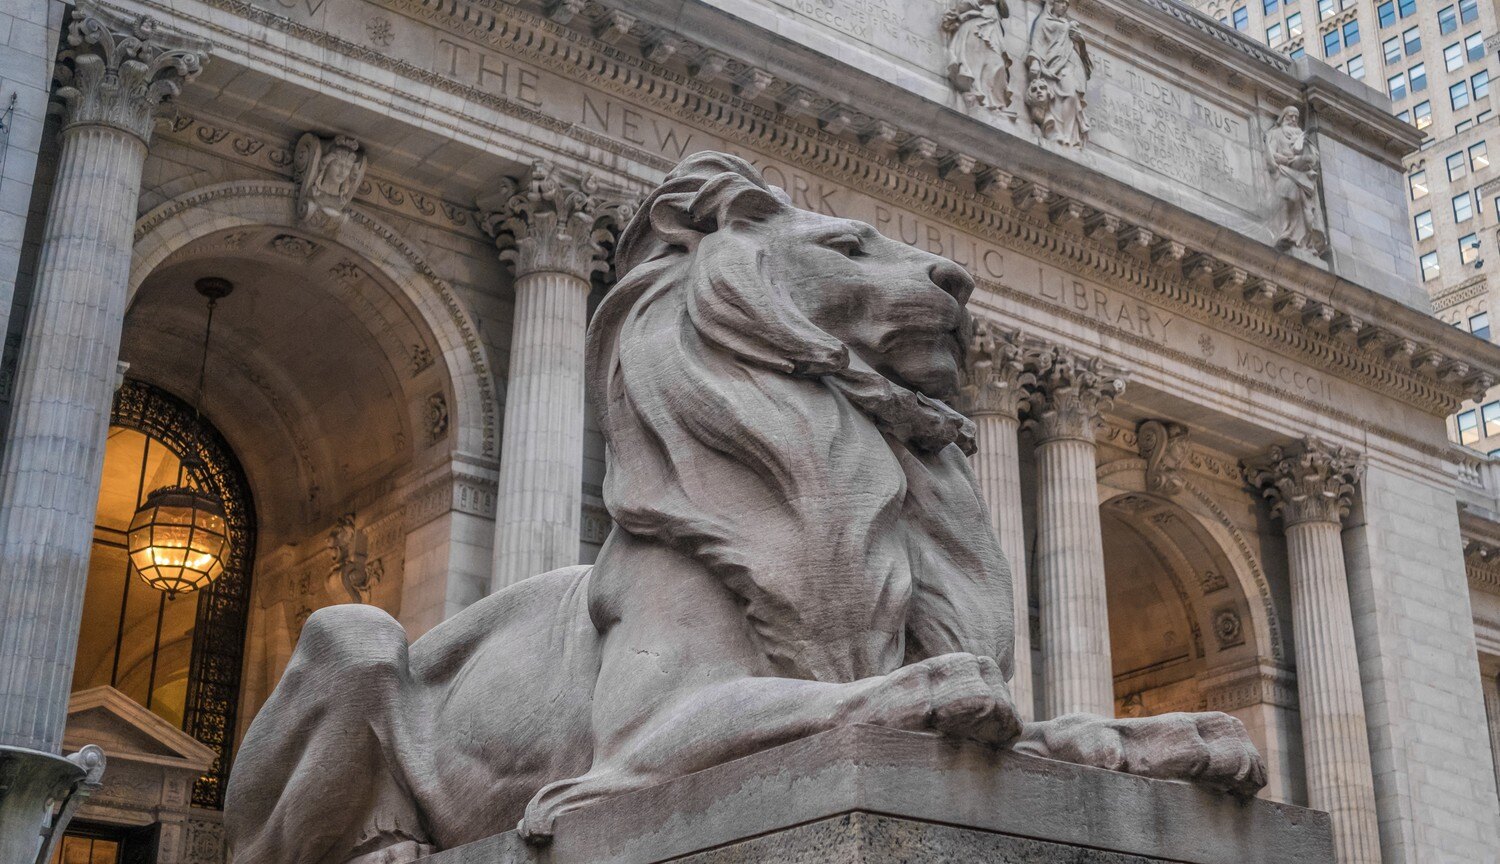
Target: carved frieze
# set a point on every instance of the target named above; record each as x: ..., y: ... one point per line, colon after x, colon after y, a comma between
x: 979, y: 59
x: 1058, y: 69
x: 1296, y: 208
x: 328, y: 172
x: 121, y: 71
x: 1307, y: 481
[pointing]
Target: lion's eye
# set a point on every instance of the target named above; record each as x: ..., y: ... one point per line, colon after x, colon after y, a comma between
x: 848, y: 244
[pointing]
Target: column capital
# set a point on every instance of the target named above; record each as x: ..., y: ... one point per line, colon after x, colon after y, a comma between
x: 1070, y: 394
x: 120, y: 71
x: 552, y: 220
x: 1307, y: 481
x: 997, y: 370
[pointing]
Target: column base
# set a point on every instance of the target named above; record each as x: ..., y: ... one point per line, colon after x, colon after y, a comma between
x: 872, y: 795
x: 32, y: 785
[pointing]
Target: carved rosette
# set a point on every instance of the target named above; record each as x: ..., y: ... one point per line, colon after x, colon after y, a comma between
x: 1309, y: 481
x: 1070, y: 394
x: 553, y: 221
x: 120, y: 72
x: 999, y: 367
x: 1164, y: 446
x: 328, y: 172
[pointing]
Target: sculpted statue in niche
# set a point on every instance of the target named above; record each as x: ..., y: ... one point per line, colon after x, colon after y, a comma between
x: 752, y: 358
x: 328, y: 172
x: 978, y: 62
x: 1297, y: 215
x: 1058, y: 69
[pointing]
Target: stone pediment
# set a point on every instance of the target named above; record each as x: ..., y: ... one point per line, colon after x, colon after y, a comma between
x: 128, y: 731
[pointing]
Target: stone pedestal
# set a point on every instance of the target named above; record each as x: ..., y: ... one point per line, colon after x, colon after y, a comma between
x: 869, y: 794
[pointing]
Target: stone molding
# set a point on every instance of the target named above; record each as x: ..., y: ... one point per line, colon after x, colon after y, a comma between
x: 555, y: 221
x: 1308, y: 481
x: 1258, y: 684
x: 121, y: 72
x: 1070, y: 394
x: 458, y: 488
x: 998, y: 369
x: 1210, y: 289
x: 1164, y: 446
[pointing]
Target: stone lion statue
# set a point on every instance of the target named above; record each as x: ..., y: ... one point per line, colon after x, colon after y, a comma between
x: 798, y: 545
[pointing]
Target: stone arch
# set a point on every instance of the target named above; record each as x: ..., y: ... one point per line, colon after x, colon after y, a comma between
x: 242, y: 204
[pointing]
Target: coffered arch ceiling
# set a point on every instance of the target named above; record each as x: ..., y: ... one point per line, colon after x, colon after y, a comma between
x: 320, y: 374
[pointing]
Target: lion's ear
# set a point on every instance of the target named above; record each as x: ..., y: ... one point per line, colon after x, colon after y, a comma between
x: 685, y: 218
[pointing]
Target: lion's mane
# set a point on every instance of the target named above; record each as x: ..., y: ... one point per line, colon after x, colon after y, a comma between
x: 742, y: 435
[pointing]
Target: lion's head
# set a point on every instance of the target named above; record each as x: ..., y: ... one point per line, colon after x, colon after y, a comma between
x: 769, y: 381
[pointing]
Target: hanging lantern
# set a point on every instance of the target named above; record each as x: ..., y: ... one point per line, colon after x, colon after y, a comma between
x: 178, y: 540
x: 178, y: 537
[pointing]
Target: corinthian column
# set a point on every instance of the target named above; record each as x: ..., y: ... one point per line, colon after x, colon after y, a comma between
x: 117, y: 73
x: 1065, y: 407
x: 551, y: 227
x: 1310, y: 485
x: 993, y: 391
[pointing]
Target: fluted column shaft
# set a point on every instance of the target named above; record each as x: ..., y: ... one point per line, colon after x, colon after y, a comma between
x: 540, y: 502
x: 552, y: 227
x: 1491, y: 685
x: 1310, y: 485
x: 1070, y: 395
x: 997, y: 464
x: 121, y: 71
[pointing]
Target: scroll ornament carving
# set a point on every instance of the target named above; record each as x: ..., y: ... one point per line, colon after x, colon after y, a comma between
x: 328, y: 172
x: 351, y: 565
x: 120, y: 72
x: 1164, y: 446
x: 998, y: 371
x: 1293, y: 160
x: 978, y: 62
x: 552, y: 221
x: 1070, y: 395
x: 1309, y: 481
x: 1058, y: 69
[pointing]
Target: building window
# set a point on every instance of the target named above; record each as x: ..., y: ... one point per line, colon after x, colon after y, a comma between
x: 1412, y: 39
x: 1273, y: 34
x: 1408, y: 8
x: 1392, y: 49
x: 1269, y: 6
x: 1486, y: 113
x: 1351, y: 34
x: 1468, y: 248
x: 1481, y: 82
x: 1468, y: 11
x: 1331, y: 44
x: 1396, y: 86
x: 1474, y: 46
x: 1387, y: 13
x: 1462, y: 126
x: 1447, y: 20
x: 1458, y: 95
x: 1468, y: 428
x: 1479, y: 325
x: 1453, y: 57
x: 1479, y: 155
x: 1294, y: 25
x: 1423, y: 224
x: 1299, y: 51
x: 1356, y: 68
x: 1491, y: 415
x: 1417, y: 183
x: 1456, y: 166
x: 1421, y: 115
x: 1463, y: 208
x: 1241, y: 18
x: 1326, y: 9
x: 1430, y: 267
x: 1418, y: 76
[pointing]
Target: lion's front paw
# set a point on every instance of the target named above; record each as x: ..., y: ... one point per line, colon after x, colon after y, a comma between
x: 1211, y: 749
x: 960, y: 695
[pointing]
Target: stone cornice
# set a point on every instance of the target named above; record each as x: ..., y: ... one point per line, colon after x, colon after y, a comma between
x: 1481, y: 538
x: 1322, y: 318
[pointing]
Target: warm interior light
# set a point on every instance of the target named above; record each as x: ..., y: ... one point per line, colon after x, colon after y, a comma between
x: 178, y: 540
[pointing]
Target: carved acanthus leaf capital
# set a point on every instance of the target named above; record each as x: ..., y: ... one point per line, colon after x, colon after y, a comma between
x: 1070, y: 395
x: 554, y: 221
x: 120, y: 72
x: 999, y: 367
x: 328, y: 173
x: 1308, y: 481
x: 1164, y: 446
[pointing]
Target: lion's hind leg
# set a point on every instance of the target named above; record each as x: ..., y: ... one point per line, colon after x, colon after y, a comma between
x: 316, y: 778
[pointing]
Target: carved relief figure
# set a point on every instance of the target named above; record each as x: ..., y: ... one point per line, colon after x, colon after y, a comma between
x: 978, y: 64
x: 752, y: 358
x: 1058, y: 69
x: 351, y: 565
x: 1297, y: 215
x: 328, y: 173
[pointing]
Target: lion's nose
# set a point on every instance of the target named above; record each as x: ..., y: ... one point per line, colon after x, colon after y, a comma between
x: 952, y: 278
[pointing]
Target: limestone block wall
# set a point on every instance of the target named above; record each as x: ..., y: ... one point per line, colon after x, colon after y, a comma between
x: 1418, y: 664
